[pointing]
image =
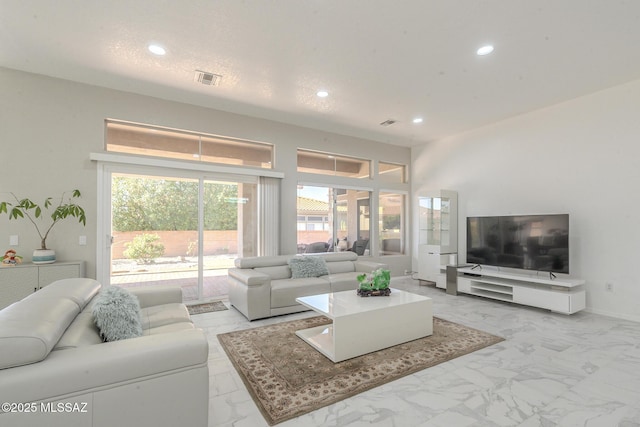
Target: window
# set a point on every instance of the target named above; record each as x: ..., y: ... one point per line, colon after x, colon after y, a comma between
x: 133, y: 138
x: 333, y: 220
x: 391, y: 223
x: 332, y: 164
x: 392, y: 172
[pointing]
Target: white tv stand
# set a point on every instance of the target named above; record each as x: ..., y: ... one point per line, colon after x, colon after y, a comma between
x: 561, y: 295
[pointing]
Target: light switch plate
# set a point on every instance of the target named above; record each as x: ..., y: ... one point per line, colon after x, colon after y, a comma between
x: 13, y: 240
x: 82, y: 241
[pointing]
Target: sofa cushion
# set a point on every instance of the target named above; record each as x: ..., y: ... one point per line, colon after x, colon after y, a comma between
x: 307, y: 266
x: 78, y: 290
x: 148, y: 296
x: 341, y: 267
x: 165, y: 314
x: 343, y: 281
x: 81, y: 332
x: 117, y: 314
x: 275, y: 272
x: 261, y: 261
x: 339, y: 256
x: 30, y: 328
x: 173, y: 327
x: 284, y: 292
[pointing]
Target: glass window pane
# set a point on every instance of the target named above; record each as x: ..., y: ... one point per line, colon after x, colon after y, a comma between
x: 392, y: 172
x: 353, y: 225
x: 132, y: 138
x: 140, y: 140
x: 312, y: 202
x: 156, y: 229
x: 335, y: 220
x: 236, y: 152
x: 391, y: 223
x: 332, y: 164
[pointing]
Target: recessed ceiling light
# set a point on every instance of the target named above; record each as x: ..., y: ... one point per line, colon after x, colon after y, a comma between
x: 157, y: 49
x: 485, y: 50
x: 322, y: 93
x: 418, y: 120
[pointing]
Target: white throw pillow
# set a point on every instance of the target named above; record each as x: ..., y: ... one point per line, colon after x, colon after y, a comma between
x: 116, y: 313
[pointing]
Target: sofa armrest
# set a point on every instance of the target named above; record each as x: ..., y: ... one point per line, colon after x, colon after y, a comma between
x: 250, y: 292
x: 106, y: 365
x: 369, y: 266
x: 151, y: 296
x: 249, y: 277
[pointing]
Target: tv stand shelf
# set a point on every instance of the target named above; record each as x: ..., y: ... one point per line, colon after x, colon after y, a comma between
x: 562, y: 295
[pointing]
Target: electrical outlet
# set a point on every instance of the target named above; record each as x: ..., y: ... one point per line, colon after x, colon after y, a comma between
x: 608, y: 286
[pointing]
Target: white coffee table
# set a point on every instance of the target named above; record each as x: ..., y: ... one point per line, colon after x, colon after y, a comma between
x: 362, y: 325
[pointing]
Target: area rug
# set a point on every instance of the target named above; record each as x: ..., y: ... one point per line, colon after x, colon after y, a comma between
x: 206, y: 307
x: 287, y: 377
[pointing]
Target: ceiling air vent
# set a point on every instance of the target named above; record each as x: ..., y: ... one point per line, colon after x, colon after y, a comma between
x: 206, y: 78
x: 388, y: 122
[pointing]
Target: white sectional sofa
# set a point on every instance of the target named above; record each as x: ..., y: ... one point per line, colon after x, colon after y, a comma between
x: 262, y: 287
x: 55, y: 369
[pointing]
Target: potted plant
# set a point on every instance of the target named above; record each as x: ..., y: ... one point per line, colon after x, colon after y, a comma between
x: 25, y: 208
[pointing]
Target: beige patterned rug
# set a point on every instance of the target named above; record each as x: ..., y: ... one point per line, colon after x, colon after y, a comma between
x: 206, y: 307
x: 287, y: 378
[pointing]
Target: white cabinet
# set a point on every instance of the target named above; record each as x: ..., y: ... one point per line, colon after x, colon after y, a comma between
x: 16, y: 282
x: 464, y: 285
x: 437, y: 234
x: 560, y: 295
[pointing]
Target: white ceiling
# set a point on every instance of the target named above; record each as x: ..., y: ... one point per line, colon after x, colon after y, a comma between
x: 378, y: 59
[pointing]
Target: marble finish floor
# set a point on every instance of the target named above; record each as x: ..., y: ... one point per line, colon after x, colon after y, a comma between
x: 551, y: 370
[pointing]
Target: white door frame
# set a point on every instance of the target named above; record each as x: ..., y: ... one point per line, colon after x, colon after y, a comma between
x: 105, y: 176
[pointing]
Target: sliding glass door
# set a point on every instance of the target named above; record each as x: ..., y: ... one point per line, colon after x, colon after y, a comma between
x: 180, y: 230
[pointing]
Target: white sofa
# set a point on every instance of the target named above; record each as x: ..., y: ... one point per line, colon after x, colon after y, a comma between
x: 262, y: 287
x: 56, y: 371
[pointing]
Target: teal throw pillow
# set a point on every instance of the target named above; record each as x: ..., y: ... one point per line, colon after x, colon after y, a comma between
x: 116, y: 313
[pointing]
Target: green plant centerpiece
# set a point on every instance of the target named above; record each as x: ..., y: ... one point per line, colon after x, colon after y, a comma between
x: 63, y: 208
x: 374, y: 284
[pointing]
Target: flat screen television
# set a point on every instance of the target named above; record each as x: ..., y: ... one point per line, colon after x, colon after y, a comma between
x: 530, y: 242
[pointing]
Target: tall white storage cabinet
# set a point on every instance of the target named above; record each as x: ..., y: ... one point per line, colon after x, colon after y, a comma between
x: 18, y: 281
x: 438, y: 234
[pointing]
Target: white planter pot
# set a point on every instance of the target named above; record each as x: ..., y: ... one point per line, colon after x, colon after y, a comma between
x: 44, y: 256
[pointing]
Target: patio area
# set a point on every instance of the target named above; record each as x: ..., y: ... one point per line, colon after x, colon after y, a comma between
x: 181, y: 272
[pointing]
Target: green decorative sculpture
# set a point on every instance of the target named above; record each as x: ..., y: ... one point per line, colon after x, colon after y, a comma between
x: 374, y: 284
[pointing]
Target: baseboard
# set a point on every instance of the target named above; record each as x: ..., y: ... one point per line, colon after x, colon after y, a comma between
x: 613, y: 314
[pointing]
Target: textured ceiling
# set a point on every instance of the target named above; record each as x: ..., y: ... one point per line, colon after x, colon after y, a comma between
x: 378, y: 59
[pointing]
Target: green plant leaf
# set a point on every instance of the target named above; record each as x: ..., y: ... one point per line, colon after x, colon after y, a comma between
x: 15, y: 213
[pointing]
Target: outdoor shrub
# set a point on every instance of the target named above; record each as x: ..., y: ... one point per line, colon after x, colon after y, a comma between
x: 144, y: 248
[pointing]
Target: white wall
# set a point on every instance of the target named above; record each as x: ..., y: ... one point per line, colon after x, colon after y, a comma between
x: 580, y: 157
x: 48, y: 128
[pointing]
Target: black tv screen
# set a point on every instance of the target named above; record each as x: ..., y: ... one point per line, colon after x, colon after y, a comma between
x: 530, y: 242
